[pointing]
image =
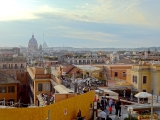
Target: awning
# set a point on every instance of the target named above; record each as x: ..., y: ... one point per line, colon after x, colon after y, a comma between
x: 62, y: 89
x: 53, y: 82
x: 111, y: 93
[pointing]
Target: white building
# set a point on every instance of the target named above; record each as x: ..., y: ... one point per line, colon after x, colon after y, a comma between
x: 114, y: 57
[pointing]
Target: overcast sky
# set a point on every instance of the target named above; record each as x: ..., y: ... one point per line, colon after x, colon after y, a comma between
x: 81, y: 23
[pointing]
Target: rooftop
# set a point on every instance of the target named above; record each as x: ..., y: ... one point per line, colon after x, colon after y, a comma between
x: 5, y: 79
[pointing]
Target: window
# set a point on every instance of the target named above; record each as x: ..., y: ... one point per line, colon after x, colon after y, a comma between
x: 11, y: 89
x: 47, y: 86
x: 15, y: 66
x: 144, y: 79
x: 124, y: 74
x: 3, y: 89
x: 39, y: 86
x: 134, y: 79
x: 116, y: 74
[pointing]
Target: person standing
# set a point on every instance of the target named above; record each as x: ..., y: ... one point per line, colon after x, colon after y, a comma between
x: 98, y: 104
x: 103, y: 115
x: 110, y: 102
x: 103, y: 103
x: 118, y: 106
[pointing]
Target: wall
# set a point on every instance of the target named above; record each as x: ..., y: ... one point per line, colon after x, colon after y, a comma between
x: 72, y: 105
x: 119, y: 69
x: 7, y: 95
x: 38, y: 70
x: 58, y: 97
x: 129, y: 76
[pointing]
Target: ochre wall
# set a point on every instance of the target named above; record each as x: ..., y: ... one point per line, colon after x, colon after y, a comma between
x: 128, y: 76
x: 8, y: 95
x: 72, y: 105
x: 58, y: 97
x: 38, y: 70
x: 120, y: 70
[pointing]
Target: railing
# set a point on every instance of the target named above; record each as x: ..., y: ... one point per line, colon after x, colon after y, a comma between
x: 117, y: 79
x: 22, y: 67
x: 30, y: 72
x: 83, y: 63
x: 56, y: 79
x: 42, y: 76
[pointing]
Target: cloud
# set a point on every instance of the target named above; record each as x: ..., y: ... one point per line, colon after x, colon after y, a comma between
x: 100, y: 11
x: 86, y: 35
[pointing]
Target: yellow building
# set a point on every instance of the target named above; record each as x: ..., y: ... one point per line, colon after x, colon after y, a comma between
x: 8, y: 89
x: 145, y: 77
x: 39, y: 82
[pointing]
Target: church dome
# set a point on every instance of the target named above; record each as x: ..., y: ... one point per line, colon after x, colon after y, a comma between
x: 32, y: 40
x: 45, y: 45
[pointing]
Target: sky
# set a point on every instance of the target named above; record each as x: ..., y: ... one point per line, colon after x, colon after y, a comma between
x: 81, y: 23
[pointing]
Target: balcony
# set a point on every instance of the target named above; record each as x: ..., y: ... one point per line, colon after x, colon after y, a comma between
x: 42, y: 76
x: 16, y: 67
x: 22, y: 67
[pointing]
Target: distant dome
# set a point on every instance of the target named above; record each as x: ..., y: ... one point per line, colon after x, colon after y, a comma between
x: 45, y: 45
x: 32, y: 40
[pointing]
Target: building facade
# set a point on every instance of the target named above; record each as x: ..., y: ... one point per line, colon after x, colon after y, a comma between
x: 86, y: 60
x: 8, y: 89
x: 145, y: 77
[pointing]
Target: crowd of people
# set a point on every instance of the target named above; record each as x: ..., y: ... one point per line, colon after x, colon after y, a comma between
x: 107, y: 104
x: 48, y: 99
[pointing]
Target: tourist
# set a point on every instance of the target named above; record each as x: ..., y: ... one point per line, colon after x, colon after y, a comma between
x: 98, y: 104
x: 103, y: 115
x: 103, y: 103
x: 110, y: 110
x: 118, y: 108
x: 110, y: 102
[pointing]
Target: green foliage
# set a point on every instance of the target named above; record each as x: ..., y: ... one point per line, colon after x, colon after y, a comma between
x: 50, y: 57
x: 68, y: 75
x: 102, y: 80
x: 79, y: 75
x: 121, y: 52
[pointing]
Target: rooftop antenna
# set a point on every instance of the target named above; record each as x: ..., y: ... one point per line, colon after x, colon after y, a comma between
x: 43, y: 37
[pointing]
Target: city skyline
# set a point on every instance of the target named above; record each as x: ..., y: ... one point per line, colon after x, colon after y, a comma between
x: 92, y: 24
